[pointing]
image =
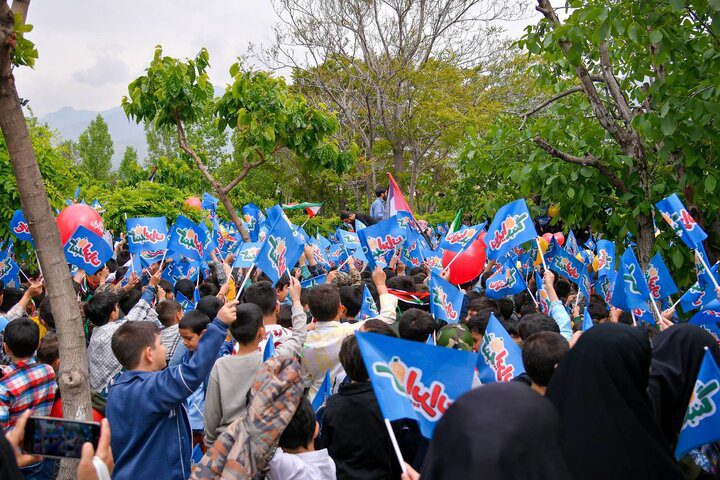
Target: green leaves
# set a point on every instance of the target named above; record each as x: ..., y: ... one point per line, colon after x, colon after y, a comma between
x: 24, y: 53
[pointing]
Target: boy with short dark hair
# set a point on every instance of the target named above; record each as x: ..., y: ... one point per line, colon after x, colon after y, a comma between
x: 169, y: 313
x: 265, y: 296
x: 323, y: 343
x: 541, y: 354
x: 232, y: 376
x: 103, y: 311
x: 353, y: 429
x: 416, y: 325
x: 25, y: 384
x: 296, y: 457
x: 151, y: 433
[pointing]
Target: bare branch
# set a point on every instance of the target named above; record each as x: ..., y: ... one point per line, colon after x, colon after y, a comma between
x: 246, y: 169
x: 588, y: 160
x: 613, y: 86
x: 20, y: 7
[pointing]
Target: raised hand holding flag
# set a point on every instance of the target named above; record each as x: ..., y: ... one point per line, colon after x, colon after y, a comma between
x: 379, y: 241
x: 87, y: 250
x: 682, y: 223
x: 369, y: 308
x: 280, y: 251
x: 445, y: 299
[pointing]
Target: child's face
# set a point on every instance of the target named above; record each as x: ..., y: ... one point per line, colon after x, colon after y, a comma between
x: 190, y: 339
x: 477, y: 340
x: 282, y: 293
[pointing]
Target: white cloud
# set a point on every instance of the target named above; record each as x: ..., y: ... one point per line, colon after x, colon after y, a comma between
x: 107, y: 69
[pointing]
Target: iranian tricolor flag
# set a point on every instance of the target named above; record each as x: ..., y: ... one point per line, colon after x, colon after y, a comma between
x: 310, y: 208
x: 456, y: 223
x: 396, y: 200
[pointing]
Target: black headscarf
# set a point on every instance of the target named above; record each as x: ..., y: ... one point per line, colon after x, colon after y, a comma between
x: 676, y: 357
x: 502, y: 431
x: 600, y: 392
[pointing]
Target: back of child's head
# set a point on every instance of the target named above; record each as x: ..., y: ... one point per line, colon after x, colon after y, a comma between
x: 49, y: 350
x: 128, y: 299
x: 351, y: 298
x: 22, y: 337
x: 283, y: 281
x: 186, y: 287
x: 249, y: 320
x: 166, y: 285
x: 416, y: 325
x: 506, y: 307
x: 195, y: 321
x: 11, y: 296
x: 527, y: 309
x: 209, y: 305
x: 597, y: 310
x: 562, y: 288
x: 99, y: 308
x: 45, y: 313
x: 112, y: 265
x: 284, y: 318
x: 478, y: 323
x: 351, y: 360
x: 208, y: 288
x: 405, y: 283
x: 375, y: 325
x: 300, y: 432
x: 541, y: 353
x: 167, y: 311
x: 304, y: 296
x: 534, y: 323
x: 129, y: 341
x: 262, y: 294
x: 324, y: 302
x: 626, y: 318
x: 123, y: 257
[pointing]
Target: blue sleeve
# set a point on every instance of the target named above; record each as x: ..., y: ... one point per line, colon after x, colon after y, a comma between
x: 173, y: 385
x: 561, y: 317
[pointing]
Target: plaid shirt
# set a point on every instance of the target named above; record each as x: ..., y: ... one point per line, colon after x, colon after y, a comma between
x: 322, y: 346
x: 26, y: 385
x: 170, y: 339
x: 102, y: 362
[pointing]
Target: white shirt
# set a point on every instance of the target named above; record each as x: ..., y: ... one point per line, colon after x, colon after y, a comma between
x: 315, y: 465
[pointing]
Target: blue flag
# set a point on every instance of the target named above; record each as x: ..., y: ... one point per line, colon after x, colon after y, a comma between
x: 586, y: 283
x: 359, y: 225
x: 507, y: 281
x: 187, y: 238
x: 631, y: 289
x: 541, y: 295
x: 587, y: 320
x: 379, y: 241
x: 323, y: 392
x: 571, y: 244
x: 446, y: 300
x: 151, y: 257
x: 209, y: 244
x: 209, y: 203
x: 197, y: 454
x: 606, y: 257
x: 146, y: 234
x: 349, y: 240
x: 693, y: 298
x: 184, y: 302
x: 280, y: 251
x: 247, y: 254
x: 460, y: 240
x: 87, y: 250
x: 134, y: 267
x: 567, y: 266
x: 643, y: 315
x: 701, y: 259
x: 701, y: 424
x: 680, y: 221
x: 414, y: 380
x: 710, y: 314
x: 9, y: 270
x: 659, y: 281
x: 19, y: 226
x: 499, y: 359
x: 314, y: 281
x: 269, y: 349
x: 550, y: 252
x: 369, y: 308
x: 254, y: 217
x: 511, y: 226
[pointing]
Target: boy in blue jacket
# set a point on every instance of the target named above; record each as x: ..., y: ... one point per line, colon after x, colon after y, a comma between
x: 146, y: 406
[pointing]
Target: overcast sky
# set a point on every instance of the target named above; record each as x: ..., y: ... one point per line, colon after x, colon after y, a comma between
x: 91, y: 49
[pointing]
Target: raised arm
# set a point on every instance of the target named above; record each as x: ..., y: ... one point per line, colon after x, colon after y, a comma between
x: 293, y: 345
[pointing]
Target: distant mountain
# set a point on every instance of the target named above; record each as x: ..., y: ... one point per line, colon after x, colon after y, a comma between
x: 70, y: 123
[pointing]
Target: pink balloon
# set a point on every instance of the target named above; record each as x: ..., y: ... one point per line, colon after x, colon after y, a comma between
x: 194, y: 202
x: 548, y: 237
x: 469, y: 265
x: 75, y: 215
x: 559, y: 238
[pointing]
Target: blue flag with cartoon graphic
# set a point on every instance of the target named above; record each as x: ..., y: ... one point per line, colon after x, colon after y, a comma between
x: 460, y: 240
x: 606, y: 258
x: 511, y: 226
x: 701, y: 424
x: 379, y: 241
x: 587, y: 320
x: 446, y: 300
x: 146, y: 234
x: 19, y: 227
x: 246, y: 255
x: 323, y: 392
x: 631, y: 290
x: 681, y: 222
x: 9, y: 270
x: 280, y: 251
x: 567, y: 266
x: 87, y: 250
x: 369, y: 308
x: 499, y: 359
x: 186, y: 238
x: 506, y: 281
x: 659, y: 281
x: 414, y: 380
x: 254, y: 217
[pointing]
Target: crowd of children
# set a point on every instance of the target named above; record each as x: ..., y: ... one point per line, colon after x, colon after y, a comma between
x: 244, y: 377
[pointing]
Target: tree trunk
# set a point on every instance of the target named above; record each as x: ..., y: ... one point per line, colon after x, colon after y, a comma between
x: 73, y: 375
x: 398, y: 157
x: 222, y: 196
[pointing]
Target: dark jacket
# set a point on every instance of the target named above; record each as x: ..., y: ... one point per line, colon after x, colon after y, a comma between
x: 365, y: 219
x: 151, y: 435
x: 354, y: 433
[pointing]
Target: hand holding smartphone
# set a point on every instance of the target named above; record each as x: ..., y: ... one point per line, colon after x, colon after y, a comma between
x: 58, y: 437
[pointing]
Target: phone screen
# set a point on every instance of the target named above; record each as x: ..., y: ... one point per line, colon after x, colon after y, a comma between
x: 56, y: 437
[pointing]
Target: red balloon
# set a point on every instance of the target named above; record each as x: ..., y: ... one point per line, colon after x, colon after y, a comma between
x: 469, y: 265
x: 559, y: 238
x: 75, y: 215
x: 194, y: 202
x: 548, y: 237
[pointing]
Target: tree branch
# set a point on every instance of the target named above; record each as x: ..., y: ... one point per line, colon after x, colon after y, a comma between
x: 20, y: 7
x: 613, y: 85
x: 182, y: 141
x: 243, y: 173
x: 588, y: 160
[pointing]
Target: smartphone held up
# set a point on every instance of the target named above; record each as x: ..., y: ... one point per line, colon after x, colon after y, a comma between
x: 58, y: 437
